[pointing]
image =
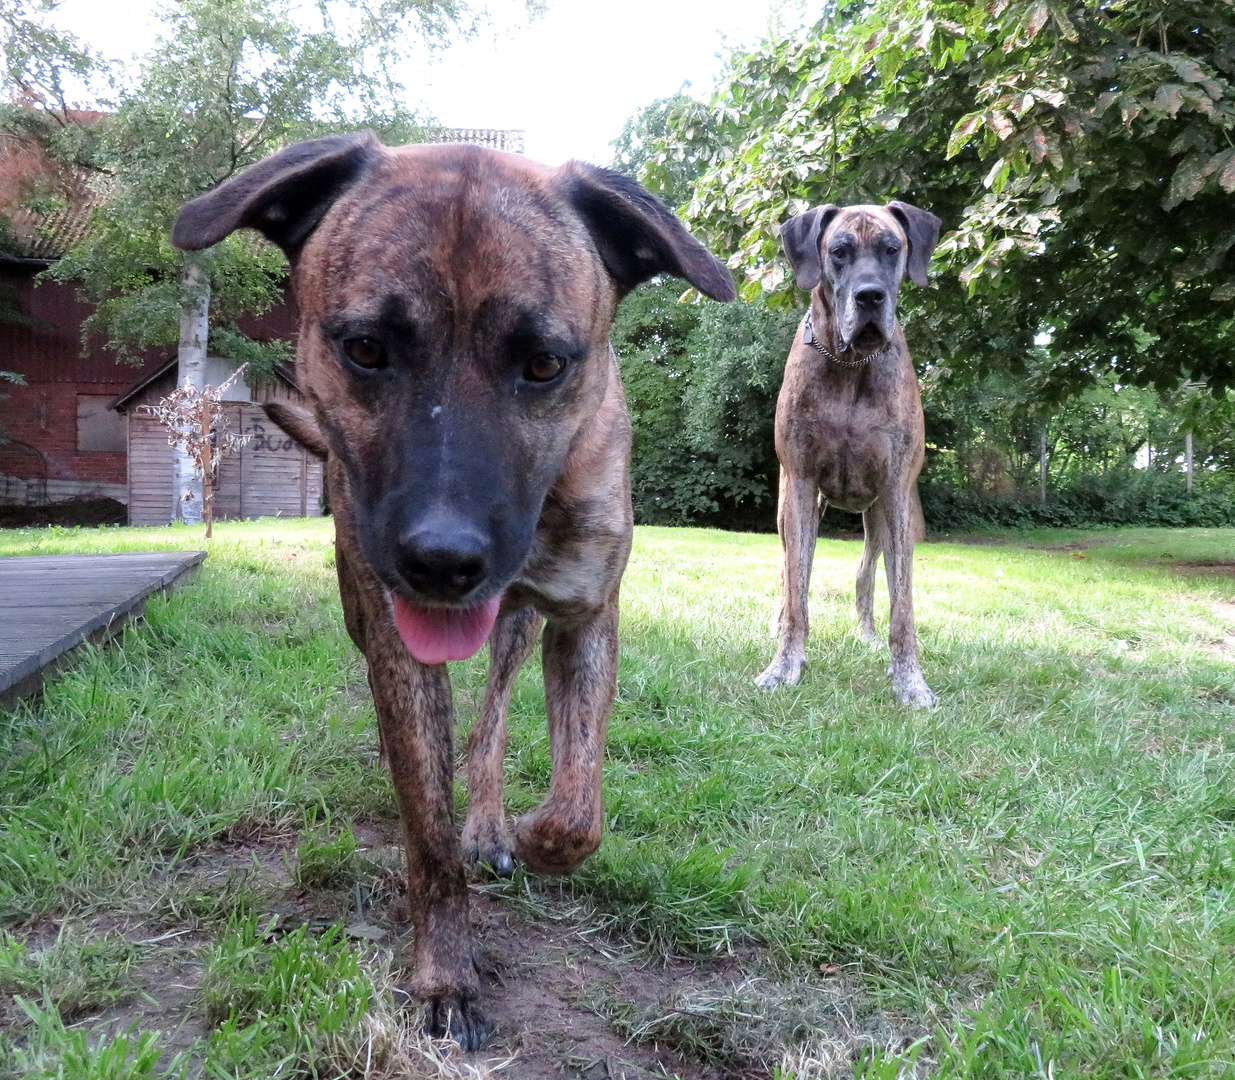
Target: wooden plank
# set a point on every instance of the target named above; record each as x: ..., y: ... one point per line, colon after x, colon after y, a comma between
x: 227, y: 478
x: 50, y: 604
x: 152, y: 482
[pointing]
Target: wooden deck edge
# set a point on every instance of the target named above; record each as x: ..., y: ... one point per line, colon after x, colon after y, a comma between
x: 27, y: 678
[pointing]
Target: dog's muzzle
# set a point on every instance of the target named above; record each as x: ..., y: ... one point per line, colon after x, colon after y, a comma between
x: 444, y: 561
x: 867, y: 318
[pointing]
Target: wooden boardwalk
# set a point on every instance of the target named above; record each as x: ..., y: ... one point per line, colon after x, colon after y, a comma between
x: 50, y: 604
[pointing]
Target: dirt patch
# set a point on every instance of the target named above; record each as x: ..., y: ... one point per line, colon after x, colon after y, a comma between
x: 545, y: 989
x: 169, y: 983
x: 568, y: 998
x: 1225, y: 569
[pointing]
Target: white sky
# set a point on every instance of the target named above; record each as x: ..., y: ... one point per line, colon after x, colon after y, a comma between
x: 569, y: 79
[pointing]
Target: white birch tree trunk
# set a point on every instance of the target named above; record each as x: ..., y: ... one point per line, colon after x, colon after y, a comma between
x: 191, y: 357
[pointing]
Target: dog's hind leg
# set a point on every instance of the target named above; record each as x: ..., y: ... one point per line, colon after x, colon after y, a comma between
x: 907, y: 680
x: 486, y: 840
x: 580, y: 660
x: 797, y: 521
x: 875, y: 526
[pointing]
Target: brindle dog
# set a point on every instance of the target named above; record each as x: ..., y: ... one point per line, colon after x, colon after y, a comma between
x: 455, y: 309
x: 849, y: 429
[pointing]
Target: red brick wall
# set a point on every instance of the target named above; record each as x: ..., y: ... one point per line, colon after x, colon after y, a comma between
x: 43, y: 413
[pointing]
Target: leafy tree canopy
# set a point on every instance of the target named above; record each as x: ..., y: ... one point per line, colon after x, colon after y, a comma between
x: 1082, y: 159
x: 229, y: 82
x: 640, y: 140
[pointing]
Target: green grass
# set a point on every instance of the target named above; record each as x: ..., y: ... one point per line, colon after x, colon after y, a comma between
x: 295, y: 1003
x: 1039, y: 870
x: 76, y: 972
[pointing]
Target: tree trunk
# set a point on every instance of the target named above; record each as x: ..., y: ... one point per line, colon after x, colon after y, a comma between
x: 1188, y: 457
x: 191, y: 358
x: 1042, y: 466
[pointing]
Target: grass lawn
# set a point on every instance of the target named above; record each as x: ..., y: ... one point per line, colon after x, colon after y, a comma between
x: 199, y: 869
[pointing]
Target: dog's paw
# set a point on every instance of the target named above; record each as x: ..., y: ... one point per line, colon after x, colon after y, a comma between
x: 552, y: 840
x: 489, y: 845
x: 456, y: 1017
x: 912, y: 690
x: 783, y: 671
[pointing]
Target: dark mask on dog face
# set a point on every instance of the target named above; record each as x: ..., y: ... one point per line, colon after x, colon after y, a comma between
x: 455, y: 311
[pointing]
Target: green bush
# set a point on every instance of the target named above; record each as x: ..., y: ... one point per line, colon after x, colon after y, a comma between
x: 1119, y: 497
x: 701, y: 382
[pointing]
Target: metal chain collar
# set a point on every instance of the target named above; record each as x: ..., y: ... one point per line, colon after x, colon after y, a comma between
x: 808, y: 336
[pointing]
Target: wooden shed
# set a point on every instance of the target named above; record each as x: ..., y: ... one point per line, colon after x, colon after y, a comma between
x: 271, y: 476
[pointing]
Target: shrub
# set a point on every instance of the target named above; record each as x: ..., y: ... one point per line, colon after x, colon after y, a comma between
x: 1117, y: 497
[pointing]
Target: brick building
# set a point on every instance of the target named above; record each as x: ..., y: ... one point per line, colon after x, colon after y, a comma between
x: 74, y: 428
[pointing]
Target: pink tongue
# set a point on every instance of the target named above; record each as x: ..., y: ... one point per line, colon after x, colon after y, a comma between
x: 435, y: 635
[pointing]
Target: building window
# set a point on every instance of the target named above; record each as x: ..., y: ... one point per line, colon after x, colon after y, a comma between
x: 98, y: 426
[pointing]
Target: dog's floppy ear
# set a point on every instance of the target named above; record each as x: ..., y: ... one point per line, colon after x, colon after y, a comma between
x: 800, y: 237
x: 637, y: 235
x: 922, y: 228
x: 284, y: 197
x: 300, y: 424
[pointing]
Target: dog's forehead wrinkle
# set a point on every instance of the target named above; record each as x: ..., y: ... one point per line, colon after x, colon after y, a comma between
x: 460, y: 237
x: 864, y: 223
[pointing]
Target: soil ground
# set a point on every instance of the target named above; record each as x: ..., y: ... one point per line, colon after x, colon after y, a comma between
x: 566, y: 1000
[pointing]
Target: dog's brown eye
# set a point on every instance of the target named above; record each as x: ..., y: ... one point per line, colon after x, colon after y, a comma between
x: 365, y: 352
x: 543, y: 368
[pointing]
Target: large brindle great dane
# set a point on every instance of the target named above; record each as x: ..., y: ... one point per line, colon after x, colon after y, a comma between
x: 849, y: 430
x: 455, y: 306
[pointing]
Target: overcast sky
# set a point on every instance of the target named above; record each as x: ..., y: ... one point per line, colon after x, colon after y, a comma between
x: 569, y: 79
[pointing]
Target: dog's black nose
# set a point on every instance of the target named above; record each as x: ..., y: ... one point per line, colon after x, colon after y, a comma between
x: 870, y: 296
x: 443, y: 558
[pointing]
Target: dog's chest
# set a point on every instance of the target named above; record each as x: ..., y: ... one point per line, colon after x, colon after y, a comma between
x: 846, y: 434
x: 576, y: 560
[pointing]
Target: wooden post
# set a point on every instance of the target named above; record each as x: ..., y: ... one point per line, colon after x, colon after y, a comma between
x: 1042, y: 465
x: 207, y: 464
x: 1188, y: 457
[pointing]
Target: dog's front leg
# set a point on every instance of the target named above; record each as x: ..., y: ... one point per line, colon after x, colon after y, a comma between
x: 580, y: 662
x: 875, y: 527
x: 907, y: 680
x: 414, y: 714
x: 486, y: 840
x: 797, y: 521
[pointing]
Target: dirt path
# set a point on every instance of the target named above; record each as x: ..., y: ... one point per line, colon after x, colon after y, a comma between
x: 567, y: 999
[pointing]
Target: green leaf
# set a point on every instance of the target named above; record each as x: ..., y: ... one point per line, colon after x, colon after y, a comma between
x: 1225, y: 291
x: 998, y: 176
x: 963, y: 132
x: 1169, y: 98
x: 1188, y: 180
x: 1224, y: 165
